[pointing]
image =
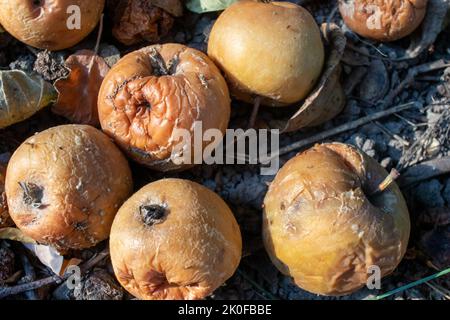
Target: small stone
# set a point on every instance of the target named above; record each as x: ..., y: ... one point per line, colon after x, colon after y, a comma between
x: 99, y: 285
x: 386, y: 162
x: 368, y: 145
x: 357, y: 140
x: 110, y: 54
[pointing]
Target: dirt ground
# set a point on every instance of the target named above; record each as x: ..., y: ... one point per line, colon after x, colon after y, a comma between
x: 372, y: 73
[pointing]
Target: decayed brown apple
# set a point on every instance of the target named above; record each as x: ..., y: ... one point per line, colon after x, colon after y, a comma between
x: 64, y: 186
x: 157, y: 91
x: 48, y: 24
x: 383, y: 20
x: 327, y: 224
x: 174, y: 239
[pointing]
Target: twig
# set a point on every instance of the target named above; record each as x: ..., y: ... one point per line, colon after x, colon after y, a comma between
x: 363, y: 53
x: 55, y: 279
x: 444, y: 292
x: 256, y: 285
x: 413, y: 284
x: 8, y: 291
x: 256, y: 104
x: 92, y: 262
x: 97, y: 43
x: 412, y: 73
x: 99, y: 35
x: 30, y: 276
x: 392, y: 176
x: 342, y: 128
x: 425, y: 170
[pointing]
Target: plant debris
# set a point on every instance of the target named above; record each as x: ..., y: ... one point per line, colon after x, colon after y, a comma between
x: 77, y: 99
x: 139, y: 20
x: 99, y: 285
x: 22, y: 95
x: 6, y: 262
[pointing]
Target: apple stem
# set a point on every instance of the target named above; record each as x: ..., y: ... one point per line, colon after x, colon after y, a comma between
x: 392, y: 176
x: 256, y: 104
x: 158, y: 64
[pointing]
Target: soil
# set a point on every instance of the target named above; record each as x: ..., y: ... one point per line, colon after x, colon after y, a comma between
x: 398, y: 141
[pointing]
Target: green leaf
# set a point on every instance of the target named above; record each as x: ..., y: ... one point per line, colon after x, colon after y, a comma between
x: 202, y: 6
x: 22, y: 95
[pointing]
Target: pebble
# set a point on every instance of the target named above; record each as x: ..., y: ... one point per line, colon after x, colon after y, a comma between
x: 110, y: 53
x: 386, y: 163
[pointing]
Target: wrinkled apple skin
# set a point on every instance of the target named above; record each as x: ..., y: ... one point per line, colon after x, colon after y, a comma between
x: 186, y: 252
x: 44, y: 24
x: 322, y: 229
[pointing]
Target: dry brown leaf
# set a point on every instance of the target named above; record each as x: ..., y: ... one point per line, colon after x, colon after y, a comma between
x: 433, y: 23
x: 15, y: 235
x: 328, y: 98
x: 77, y: 100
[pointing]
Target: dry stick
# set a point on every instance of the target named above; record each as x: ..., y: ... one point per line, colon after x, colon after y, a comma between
x: 444, y: 292
x: 256, y: 104
x: 412, y: 73
x: 392, y: 135
x: 97, y: 43
x: 99, y: 35
x: 342, y: 128
x: 30, y: 275
x: 391, y: 177
x: 8, y: 291
x: 425, y: 170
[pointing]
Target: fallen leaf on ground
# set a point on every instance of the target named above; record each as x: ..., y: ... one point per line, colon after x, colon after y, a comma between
x: 201, y: 6
x: 14, y: 234
x: 47, y: 255
x: 22, y: 95
x: 77, y: 100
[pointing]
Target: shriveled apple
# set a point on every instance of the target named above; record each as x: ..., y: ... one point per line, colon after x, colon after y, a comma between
x: 383, y: 20
x: 152, y: 92
x: 52, y: 25
x: 174, y: 239
x: 64, y: 186
x: 327, y: 222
